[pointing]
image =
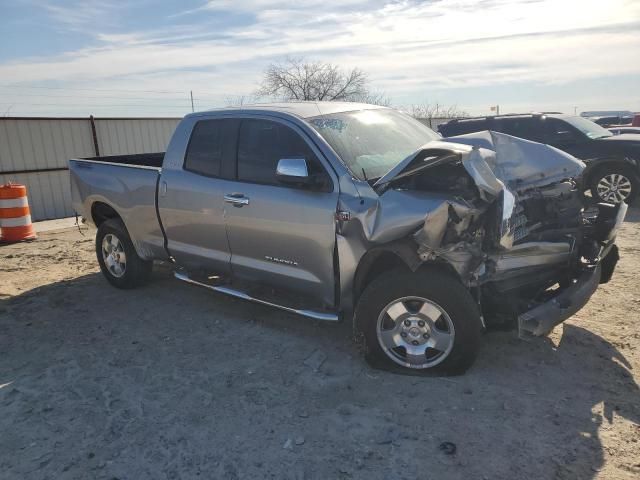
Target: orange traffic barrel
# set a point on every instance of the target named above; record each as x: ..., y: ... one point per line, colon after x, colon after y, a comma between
x: 15, y: 216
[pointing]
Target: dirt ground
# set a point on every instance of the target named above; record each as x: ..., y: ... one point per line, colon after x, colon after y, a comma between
x: 171, y: 381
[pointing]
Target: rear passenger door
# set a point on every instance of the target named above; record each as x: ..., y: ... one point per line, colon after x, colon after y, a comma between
x: 282, y: 235
x: 190, y: 197
x: 528, y: 128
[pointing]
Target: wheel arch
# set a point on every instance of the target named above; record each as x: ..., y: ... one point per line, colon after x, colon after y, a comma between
x: 396, y: 255
x: 597, y: 166
x: 101, y: 212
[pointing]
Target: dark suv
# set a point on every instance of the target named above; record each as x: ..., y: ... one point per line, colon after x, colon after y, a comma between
x: 613, y: 162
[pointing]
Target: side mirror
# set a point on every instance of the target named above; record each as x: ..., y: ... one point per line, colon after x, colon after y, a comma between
x: 293, y: 171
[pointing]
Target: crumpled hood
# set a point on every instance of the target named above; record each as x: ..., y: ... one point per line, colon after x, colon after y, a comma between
x: 520, y: 164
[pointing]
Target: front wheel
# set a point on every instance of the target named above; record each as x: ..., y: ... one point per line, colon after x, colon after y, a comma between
x: 426, y: 321
x: 614, y: 185
x: 118, y: 259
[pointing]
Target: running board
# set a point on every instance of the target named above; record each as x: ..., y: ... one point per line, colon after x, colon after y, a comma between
x: 330, y: 317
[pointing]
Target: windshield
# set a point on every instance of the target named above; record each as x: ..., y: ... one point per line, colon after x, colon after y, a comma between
x: 371, y: 142
x: 589, y: 128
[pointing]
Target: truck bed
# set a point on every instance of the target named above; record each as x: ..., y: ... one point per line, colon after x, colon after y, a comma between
x: 138, y: 160
x: 129, y: 185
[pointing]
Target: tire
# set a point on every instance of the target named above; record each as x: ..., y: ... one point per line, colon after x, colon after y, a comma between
x: 614, y: 183
x: 431, y: 309
x: 119, y: 262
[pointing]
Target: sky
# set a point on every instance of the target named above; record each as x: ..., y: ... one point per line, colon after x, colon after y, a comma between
x: 144, y: 57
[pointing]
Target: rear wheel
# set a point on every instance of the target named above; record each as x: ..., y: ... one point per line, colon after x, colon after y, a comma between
x: 119, y: 262
x: 425, y: 321
x: 614, y: 185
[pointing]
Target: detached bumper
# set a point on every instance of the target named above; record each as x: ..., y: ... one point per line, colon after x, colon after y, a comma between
x: 543, y: 318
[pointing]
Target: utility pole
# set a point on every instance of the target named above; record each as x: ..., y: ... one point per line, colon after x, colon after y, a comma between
x: 191, y: 93
x: 575, y: 110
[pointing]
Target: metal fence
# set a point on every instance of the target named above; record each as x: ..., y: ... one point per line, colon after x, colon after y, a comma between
x: 433, y: 122
x: 34, y: 152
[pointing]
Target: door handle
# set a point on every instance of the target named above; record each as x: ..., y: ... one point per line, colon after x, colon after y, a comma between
x: 163, y: 189
x: 236, y: 199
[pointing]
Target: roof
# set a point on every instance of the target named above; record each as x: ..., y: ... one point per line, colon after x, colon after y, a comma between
x: 300, y: 109
x: 512, y: 115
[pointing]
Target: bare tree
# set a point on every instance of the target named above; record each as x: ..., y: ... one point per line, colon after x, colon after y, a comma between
x: 374, y: 98
x: 239, y: 100
x: 427, y: 110
x: 299, y: 79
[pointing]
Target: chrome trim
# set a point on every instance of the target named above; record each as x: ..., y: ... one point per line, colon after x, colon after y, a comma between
x: 235, y: 200
x: 507, y: 227
x: 86, y: 163
x: 329, y: 317
x: 292, y: 167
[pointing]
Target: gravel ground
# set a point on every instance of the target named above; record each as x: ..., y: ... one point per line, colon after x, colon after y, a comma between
x: 172, y: 381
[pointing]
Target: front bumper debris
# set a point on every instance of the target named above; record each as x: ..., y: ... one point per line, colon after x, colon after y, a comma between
x: 543, y: 318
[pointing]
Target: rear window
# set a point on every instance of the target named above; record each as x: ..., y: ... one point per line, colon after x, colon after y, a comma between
x: 204, y: 154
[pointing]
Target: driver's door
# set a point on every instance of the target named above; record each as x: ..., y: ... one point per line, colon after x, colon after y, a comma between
x: 281, y: 235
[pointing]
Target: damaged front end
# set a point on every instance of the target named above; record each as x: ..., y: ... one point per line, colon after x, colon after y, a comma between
x: 508, y: 216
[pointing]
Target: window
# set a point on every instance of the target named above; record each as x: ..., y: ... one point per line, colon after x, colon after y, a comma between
x: 525, y: 127
x: 263, y: 143
x: 587, y: 127
x: 204, y: 154
x: 558, y: 132
x: 371, y: 142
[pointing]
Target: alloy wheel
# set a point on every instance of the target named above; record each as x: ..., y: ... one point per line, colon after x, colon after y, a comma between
x: 113, y: 255
x: 415, y: 332
x: 615, y: 188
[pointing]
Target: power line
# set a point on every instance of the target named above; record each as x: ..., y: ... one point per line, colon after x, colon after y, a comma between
x: 91, y: 96
x: 93, y: 89
x: 108, y: 105
x: 48, y: 114
x: 186, y: 97
x: 186, y: 92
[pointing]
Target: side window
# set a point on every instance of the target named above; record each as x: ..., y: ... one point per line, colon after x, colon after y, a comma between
x: 204, y: 153
x: 464, y: 127
x: 558, y: 132
x: 526, y: 128
x: 262, y: 143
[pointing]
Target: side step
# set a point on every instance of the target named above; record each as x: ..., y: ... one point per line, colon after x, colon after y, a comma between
x: 330, y: 317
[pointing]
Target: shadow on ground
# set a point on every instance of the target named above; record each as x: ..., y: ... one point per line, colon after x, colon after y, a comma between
x: 171, y: 381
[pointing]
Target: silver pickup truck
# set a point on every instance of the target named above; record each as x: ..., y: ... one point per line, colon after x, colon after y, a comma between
x: 351, y: 211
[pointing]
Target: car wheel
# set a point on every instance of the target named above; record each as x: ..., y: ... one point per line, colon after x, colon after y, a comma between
x: 424, y: 321
x: 614, y: 185
x: 119, y: 262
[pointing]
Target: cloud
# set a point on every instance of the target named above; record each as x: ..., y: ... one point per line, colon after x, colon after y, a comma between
x: 407, y: 47
x: 79, y: 14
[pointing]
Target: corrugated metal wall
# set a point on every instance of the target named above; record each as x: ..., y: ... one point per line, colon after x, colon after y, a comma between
x: 127, y: 136
x: 34, y: 152
x: 433, y: 122
x: 49, y: 193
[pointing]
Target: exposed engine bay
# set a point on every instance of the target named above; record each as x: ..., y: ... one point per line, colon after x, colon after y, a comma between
x: 510, y: 218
